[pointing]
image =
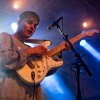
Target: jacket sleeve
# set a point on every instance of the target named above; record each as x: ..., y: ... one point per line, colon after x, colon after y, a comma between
x: 10, y: 56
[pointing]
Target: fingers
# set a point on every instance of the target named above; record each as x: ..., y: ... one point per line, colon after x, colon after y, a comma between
x: 36, y: 50
x: 39, y: 49
x: 43, y: 49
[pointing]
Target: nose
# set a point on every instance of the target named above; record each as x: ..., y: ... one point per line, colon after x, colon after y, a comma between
x: 33, y: 26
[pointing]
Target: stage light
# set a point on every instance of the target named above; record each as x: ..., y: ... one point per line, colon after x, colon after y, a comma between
x: 85, y: 24
x: 14, y: 26
x: 16, y: 6
x: 56, y: 88
x: 88, y: 23
x: 90, y: 49
x: 82, y: 42
x: 55, y: 84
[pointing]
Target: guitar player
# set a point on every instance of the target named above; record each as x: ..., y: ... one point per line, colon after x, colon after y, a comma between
x: 14, y: 54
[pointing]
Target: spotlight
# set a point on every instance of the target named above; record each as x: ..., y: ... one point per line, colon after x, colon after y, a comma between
x: 90, y: 49
x: 85, y: 24
x: 14, y: 26
x: 16, y: 6
x: 82, y: 42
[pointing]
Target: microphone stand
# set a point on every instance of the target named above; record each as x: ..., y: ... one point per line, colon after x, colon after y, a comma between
x: 78, y: 63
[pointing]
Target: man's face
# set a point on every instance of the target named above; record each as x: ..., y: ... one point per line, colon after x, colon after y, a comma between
x: 28, y: 26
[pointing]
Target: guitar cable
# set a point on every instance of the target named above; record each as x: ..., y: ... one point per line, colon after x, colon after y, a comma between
x: 33, y: 76
x: 31, y: 65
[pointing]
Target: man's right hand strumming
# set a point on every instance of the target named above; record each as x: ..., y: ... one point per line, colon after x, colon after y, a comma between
x: 41, y: 50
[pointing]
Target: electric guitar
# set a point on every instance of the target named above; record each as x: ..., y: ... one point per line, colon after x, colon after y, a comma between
x: 40, y: 68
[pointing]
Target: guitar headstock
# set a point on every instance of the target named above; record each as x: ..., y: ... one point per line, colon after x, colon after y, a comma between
x: 90, y: 32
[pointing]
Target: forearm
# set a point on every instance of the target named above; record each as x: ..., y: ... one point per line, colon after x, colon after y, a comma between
x: 12, y: 59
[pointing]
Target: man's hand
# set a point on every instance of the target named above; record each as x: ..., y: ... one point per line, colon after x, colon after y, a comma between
x: 36, y: 50
x: 66, y: 45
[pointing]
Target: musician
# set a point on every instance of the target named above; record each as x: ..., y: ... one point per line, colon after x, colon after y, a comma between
x: 14, y: 55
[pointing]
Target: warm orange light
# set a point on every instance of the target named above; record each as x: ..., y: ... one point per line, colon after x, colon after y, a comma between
x: 85, y: 24
x: 88, y: 23
x: 16, y: 6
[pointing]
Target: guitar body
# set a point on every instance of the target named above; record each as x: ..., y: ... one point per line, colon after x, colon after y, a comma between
x: 40, y: 70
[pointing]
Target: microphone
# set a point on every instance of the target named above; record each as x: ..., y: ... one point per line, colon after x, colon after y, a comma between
x: 55, y: 23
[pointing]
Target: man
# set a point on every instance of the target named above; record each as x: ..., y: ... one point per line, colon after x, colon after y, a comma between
x: 13, y: 55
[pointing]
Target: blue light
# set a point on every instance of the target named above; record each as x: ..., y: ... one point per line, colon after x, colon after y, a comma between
x: 56, y: 89
x: 82, y: 42
x: 89, y: 48
x: 52, y: 81
x: 14, y: 26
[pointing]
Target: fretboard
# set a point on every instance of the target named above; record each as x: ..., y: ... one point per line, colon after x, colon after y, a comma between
x: 62, y: 46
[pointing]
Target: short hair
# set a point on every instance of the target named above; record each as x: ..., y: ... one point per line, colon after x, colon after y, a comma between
x: 28, y: 14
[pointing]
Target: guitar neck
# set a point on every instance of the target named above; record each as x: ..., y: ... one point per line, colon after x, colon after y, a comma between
x: 76, y: 38
x: 62, y: 46
x: 57, y: 49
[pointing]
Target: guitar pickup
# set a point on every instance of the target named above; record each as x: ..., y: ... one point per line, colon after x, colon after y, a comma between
x: 30, y: 64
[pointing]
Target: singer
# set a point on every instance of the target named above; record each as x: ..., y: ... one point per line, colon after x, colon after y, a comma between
x: 15, y: 54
